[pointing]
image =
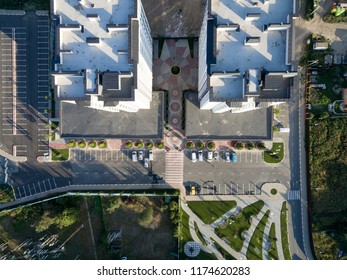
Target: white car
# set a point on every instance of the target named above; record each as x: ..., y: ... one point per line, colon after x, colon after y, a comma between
x: 150, y: 155
x: 193, y: 156
x: 134, y: 156
x: 200, y: 156
x: 209, y: 156
x: 140, y: 155
x: 145, y: 163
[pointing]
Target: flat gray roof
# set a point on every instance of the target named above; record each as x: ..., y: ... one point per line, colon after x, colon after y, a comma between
x: 80, y: 121
x: 203, y: 124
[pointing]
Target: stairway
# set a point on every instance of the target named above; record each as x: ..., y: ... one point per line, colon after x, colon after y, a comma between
x: 174, y: 167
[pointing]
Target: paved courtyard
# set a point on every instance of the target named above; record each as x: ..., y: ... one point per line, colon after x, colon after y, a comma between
x: 175, y: 53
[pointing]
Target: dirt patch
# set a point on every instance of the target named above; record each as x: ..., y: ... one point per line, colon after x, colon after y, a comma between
x: 155, y: 240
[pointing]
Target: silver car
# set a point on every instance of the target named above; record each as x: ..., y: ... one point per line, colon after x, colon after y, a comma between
x: 227, y: 156
x: 145, y: 163
x: 140, y: 155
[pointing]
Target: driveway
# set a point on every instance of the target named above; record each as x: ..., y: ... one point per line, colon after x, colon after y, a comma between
x: 336, y: 33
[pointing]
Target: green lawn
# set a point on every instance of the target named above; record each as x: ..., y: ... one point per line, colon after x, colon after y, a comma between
x: 236, y: 225
x: 224, y: 253
x: 284, y: 232
x: 276, y: 154
x: 60, y: 154
x: 255, y: 247
x: 273, y: 253
x: 185, y: 237
x: 209, y: 211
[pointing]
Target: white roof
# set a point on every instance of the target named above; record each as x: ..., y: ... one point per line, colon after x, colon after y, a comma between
x: 104, y: 56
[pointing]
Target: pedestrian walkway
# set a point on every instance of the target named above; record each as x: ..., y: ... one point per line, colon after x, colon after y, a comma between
x: 174, y: 167
x: 294, y: 195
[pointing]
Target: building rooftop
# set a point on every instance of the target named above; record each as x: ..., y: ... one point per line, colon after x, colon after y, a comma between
x: 77, y: 120
x: 251, y: 38
x: 92, y: 45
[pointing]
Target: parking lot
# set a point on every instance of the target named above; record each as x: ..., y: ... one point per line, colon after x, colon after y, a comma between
x: 24, y: 88
x: 35, y: 188
x: 106, y: 155
x: 221, y: 177
x: 243, y: 156
x: 13, y: 80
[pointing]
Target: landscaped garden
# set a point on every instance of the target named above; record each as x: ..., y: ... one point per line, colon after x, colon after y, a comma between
x: 60, y: 154
x: 284, y: 232
x: 276, y: 154
x: 272, y: 252
x: 209, y: 211
x: 236, y: 225
x: 255, y: 247
x: 186, y: 236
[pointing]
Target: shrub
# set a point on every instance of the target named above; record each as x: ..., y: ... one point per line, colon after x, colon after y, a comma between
x: 200, y: 144
x: 92, y: 144
x: 146, y: 217
x: 71, y: 144
x: 160, y: 144
x: 102, y: 144
x: 211, y: 145
x: 149, y: 145
x: 260, y: 146
x: 250, y: 145
x: 190, y: 145
x: 273, y: 191
x: 139, y: 144
x: 129, y: 144
x: 275, y: 129
x: 82, y: 144
x: 277, y: 111
x: 239, y: 145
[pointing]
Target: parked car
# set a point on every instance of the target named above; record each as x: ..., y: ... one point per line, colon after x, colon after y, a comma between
x: 227, y: 156
x: 200, y: 156
x: 140, y: 155
x: 215, y: 155
x: 150, y: 155
x: 209, y: 156
x: 233, y: 157
x: 193, y: 156
x: 134, y: 156
x: 192, y: 190
x: 145, y: 163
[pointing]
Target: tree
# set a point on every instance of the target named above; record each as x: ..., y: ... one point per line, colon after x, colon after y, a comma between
x: 66, y: 218
x: 146, y: 217
x: 129, y: 144
x: 211, y: 145
x: 200, y: 145
x: 239, y: 145
x: 45, y: 222
x: 190, y: 145
x: 113, y: 205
